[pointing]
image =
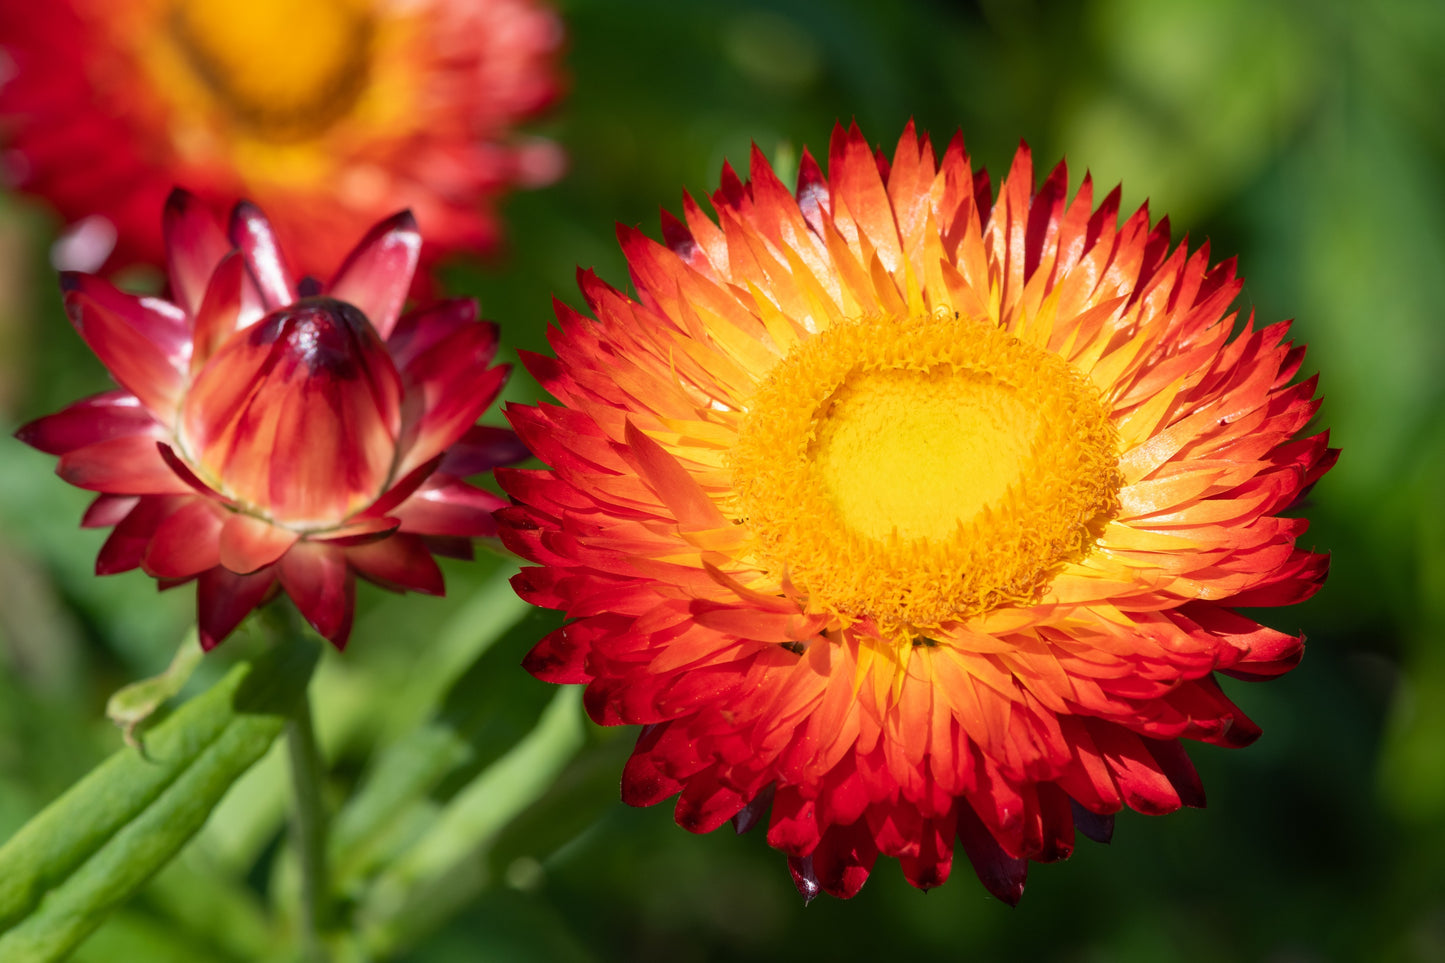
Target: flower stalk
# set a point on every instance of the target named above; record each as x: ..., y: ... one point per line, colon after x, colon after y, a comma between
x: 308, y: 817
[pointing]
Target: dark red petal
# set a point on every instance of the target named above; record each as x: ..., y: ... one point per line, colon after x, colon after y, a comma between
x: 706, y: 803
x: 101, y: 417
x: 455, y: 385
x: 252, y: 233
x: 934, y: 862
x: 400, y: 562
x: 447, y: 506
x: 419, y: 330
x: 224, y: 598
x: 844, y: 858
x: 1001, y: 874
x: 1178, y: 769
x: 187, y: 542
x: 561, y: 657
x: 128, y: 465
x: 377, y: 274
x: 108, y: 510
x: 1097, y: 826
x: 195, y: 244
x: 248, y: 543
x: 126, y: 546
x: 483, y: 448
x: 801, y: 869
x: 643, y: 782
x: 749, y: 816
x: 319, y: 582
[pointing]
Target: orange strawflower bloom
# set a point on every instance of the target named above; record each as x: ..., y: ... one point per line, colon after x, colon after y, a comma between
x: 912, y: 515
x: 329, y: 114
x: 268, y: 436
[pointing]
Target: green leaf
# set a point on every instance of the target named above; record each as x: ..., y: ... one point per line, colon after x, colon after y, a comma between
x: 486, y: 711
x: 97, y: 844
x: 446, y: 868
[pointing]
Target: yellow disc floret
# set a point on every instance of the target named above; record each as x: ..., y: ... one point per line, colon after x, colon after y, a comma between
x: 918, y: 471
x: 285, y: 70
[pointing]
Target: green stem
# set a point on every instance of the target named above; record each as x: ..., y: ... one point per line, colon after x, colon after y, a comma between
x: 308, y: 825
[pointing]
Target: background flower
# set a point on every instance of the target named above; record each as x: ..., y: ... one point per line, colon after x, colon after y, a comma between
x: 330, y: 115
x: 902, y: 513
x: 263, y: 438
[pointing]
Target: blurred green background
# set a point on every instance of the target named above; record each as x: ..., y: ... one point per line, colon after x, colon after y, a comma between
x: 1306, y: 137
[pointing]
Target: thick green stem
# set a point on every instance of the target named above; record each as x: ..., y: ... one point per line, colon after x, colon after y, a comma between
x: 308, y: 826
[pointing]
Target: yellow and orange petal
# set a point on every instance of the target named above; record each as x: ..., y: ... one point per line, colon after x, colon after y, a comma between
x: 329, y: 114
x: 270, y: 436
x: 902, y: 515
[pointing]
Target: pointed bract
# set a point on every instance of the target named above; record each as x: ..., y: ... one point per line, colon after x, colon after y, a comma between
x: 289, y: 452
x: 765, y: 513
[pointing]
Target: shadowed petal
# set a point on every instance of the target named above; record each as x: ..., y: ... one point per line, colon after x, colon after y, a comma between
x: 483, y: 448
x: 419, y: 330
x: 1001, y: 874
x: 377, y: 274
x: 224, y: 598
x: 318, y: 581
x: 457, y: 386
x: 108, y: 510
x: 801, y: 869
x: 401, y: 563
x: 448, y: 506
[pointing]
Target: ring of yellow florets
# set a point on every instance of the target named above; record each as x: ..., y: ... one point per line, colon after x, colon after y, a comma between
x: 919, y: 471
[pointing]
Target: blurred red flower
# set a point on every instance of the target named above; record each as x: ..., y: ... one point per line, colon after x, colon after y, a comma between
x: 907, y: 514
x: 329, y: 114
x: 267, y: 437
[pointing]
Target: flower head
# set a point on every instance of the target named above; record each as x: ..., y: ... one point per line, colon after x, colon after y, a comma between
x: 273, y: 436
x: 898, y: 514
x: 329, y: 114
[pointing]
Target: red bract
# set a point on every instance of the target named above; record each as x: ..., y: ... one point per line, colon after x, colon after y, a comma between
x: 263, y: 438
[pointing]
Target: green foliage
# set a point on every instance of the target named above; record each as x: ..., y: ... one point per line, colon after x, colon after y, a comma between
x: 476, y: 814
x: 63, y: 873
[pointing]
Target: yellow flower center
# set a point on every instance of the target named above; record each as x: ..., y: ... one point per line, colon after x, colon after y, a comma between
x: 922, y: 470
x: 284, y: 70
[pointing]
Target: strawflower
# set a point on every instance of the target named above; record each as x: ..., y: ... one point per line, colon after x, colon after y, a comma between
x: 273, y: 436
x: 899, y: 515
x: 329, y: 114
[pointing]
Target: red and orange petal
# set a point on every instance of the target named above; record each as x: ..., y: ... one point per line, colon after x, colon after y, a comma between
x: 877, y: 727
x: 330, y: 115
x: 266, y: 441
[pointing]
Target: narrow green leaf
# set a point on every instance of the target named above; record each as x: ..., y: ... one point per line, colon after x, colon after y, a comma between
x: 99, y: 842
x: 486, y: 711
x: 446, y: 868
